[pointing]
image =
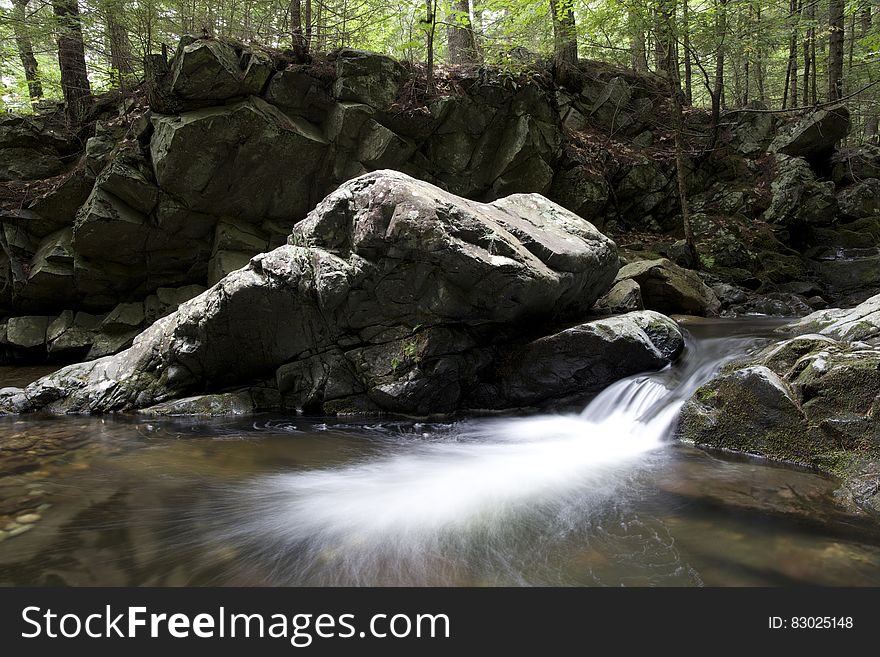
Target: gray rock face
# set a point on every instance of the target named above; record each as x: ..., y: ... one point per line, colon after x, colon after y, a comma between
x: 209, y: 71
x: 671, y: 289
x: 815, y: 135
x: 367, y: 77
x: 799, y: 199
x: 860, y: 200
x: 389, y: 297
x: 216, y: 158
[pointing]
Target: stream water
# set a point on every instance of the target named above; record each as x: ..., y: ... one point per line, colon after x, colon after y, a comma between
x: 600, y: 497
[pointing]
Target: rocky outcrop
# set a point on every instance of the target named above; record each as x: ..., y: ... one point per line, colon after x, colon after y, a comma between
x: 813, y: 399
x: 238, y: 144
x: 815, y: 136
x: 392, y: 295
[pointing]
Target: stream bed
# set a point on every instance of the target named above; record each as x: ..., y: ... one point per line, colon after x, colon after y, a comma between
x: 602, y: 497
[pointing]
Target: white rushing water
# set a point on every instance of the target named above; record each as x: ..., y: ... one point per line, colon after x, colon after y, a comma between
x: 472, y: 490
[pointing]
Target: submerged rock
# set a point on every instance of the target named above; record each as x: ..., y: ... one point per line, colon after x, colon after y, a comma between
x: 393, y: 295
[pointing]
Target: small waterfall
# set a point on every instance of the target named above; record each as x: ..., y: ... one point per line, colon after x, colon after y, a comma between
x: 471, y: 492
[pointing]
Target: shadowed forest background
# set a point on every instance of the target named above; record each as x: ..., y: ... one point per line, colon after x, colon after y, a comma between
x: 723, y: 54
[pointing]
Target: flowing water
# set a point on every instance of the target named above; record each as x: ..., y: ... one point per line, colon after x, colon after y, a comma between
x: 599, y: 497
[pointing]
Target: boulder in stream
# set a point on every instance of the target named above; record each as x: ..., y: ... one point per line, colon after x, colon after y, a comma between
x: 392, y: 295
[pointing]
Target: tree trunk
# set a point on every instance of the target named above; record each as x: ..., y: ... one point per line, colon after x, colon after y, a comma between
x: 686, y: 42
x: 26, y: 49
x: 564, y: 34
x: 460, y: 36
x: 835, y: 49
x: 809, y: 14
x: 431, y: 25
x: 297, y: 40
x: 759, y: 56
x: 72, y: 60
x: 638, y: 53
x: 721, y: 35
x: 663, y: 41
x: 790, y: 94
x: 674, y: 81
x: 308, y: 17
x: 120, y: 44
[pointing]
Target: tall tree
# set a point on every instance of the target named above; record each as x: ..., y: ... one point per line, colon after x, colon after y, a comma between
x: 835, y: 48
x: 121, y: 58
x: 565, y: 48
x: 664, y: 44
x: 686, y: 45
x: 638, y: 53
x: 26, y: 48
x: 297, y: 38
x: 674, y: 84
x: 461, y: 46
x: 72, y: 60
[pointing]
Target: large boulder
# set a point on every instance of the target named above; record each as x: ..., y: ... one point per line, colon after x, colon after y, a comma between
x: 247, y: 160
x: 210, y: 71
x: 367, y: 77
x: 811, y: 400
x: 799, y: 199
x: 815, y: 135
x: 669, y: 288
x: 393, y: 295
x: 583, y: 359
x: 860, y: 200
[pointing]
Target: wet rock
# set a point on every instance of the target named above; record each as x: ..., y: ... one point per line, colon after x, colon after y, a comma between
x: 583, y: 359
x: 671, y: 289
x: 812, y: 400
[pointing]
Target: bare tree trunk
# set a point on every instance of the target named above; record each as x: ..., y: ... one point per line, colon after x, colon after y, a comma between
x: 460, y: 37
x: 638, y: 53
x: 686, y: 42
x: 26, y: 49
x: 674, y: 81
x: 72, y: 60
x: 835, y: 49
x: 297, y: 40
x: 308, y: 39
x: 120, y: 44
x: 564, y: 33
x: 431, y: 22
x: 663, y: 41
x: 759, y: 56
x: 809, y: 14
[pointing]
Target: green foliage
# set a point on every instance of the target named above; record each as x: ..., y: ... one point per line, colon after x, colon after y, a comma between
x: 755, y: 37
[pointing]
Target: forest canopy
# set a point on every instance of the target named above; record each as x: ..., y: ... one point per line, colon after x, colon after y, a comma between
x: 730, y: 54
